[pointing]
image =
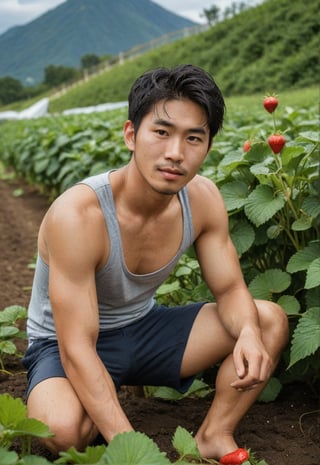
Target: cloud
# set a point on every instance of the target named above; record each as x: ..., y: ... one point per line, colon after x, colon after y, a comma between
x: 15, y: 12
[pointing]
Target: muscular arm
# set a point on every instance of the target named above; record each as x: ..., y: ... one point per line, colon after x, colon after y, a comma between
x: 221, y: 270
x: 72, y: 242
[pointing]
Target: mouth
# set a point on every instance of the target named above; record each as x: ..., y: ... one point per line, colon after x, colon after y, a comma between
x: 171, y: 173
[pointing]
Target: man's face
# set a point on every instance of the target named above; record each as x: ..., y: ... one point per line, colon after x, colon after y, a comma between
x: 170, y: 145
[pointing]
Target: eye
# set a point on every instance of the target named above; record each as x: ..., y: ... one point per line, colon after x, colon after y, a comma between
x: 161, y: 132
x: 194, y: 139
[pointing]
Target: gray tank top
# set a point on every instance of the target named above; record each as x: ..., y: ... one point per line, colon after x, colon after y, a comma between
x: 123, y: 297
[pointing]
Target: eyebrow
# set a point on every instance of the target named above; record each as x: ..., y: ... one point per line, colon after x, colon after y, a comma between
x: 166, y: 123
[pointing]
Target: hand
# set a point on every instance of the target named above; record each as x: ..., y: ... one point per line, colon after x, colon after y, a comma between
x: 251, y: 360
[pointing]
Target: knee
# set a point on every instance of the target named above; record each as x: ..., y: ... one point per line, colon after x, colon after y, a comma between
x: 274, y: 322
x: 67, y: 434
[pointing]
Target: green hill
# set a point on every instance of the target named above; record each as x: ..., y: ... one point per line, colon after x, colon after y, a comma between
x: 79, y: 27
x: 271, y: 47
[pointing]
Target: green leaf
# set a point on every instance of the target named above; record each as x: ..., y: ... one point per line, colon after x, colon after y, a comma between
x: 302, y: 224
x: 262, y: 204
x: 12, y: 314
x: 34, y: 460
x: 290, y: 304
x: 270, y: 282
x: 8, y: 347
x: 134, y: 448
x: 311, y: 206
x: 242, y: 235
x: 7, y: 332
x: 33, y: 427
x: 197, y: 389
x: 274, y: 231
x: 271, y: 391
x: 11, y: 410
x: 7, y: 457
x: 185, y: 444
x: 312, y: 136
x: 234, y: 194
x: 306, y: 336
x: 167, y: 288
x: 313, y: 274
x: 301, y: 260
x: 92, y: 455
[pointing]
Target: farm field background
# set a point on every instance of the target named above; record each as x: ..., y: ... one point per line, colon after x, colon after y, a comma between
x: 78, y: 145
x: 272, y: 201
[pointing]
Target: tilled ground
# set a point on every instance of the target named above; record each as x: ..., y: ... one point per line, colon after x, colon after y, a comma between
x: 285, y: 432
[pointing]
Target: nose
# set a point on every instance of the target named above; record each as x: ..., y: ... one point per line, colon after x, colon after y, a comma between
x: 174, y: 149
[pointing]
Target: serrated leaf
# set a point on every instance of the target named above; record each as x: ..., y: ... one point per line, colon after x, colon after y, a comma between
x: 185, y: 444
x: 134, y: 448
x: 301, y: 260
x: 306, y: 336
x: 270, y: 282
x: 92, y: 454
x: 290, y: 304
x: 242, y: 235
x: 33, y: 427
x: 313, y: 274
x: 11, y: 410
x: 271, y: 391
x: 311, y: 206
x: 234, y: 194
x: 262, y: 204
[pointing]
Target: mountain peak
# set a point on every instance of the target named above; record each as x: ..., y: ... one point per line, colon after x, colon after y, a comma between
x: 75, y: 28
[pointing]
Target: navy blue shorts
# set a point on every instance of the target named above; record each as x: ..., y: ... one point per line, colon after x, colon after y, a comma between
x: 147, y: 352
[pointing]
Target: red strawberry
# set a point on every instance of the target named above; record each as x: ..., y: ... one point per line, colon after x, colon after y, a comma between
x: 246, y: 146
x: 276, y: 142
x: 235, y: 458
x: 270, y: 103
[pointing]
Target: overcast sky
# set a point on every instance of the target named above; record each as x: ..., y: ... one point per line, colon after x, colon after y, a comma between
x: 17, y: 12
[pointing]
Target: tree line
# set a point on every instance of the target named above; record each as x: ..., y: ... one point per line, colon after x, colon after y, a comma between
x: 12, y: 90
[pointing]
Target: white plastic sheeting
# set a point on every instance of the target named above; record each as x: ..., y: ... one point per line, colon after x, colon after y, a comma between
x: 40, y: 108
x: 36, y: 110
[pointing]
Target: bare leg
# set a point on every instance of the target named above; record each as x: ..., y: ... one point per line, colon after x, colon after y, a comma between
x: 215, y: 435
x: 55, y: 403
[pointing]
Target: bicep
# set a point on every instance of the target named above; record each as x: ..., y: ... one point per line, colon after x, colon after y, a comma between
x: 72, y: 254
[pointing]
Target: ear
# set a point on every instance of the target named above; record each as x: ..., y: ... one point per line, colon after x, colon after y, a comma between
x: 129, y: 136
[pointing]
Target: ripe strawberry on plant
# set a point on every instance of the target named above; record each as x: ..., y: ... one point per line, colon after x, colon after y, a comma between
x: 276, y: 142
x: 236, y: 457
x: 246, y: 146
x: 270, y: 103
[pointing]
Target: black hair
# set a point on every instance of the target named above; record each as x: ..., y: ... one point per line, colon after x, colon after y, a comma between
x: 183, y: 81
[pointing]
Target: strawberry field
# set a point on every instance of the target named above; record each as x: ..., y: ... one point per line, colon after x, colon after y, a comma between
x: 272, y: 197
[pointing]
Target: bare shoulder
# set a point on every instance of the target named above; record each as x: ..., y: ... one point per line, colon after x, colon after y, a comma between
x: 207, y: 205
x: 74, y: 219
x: 77, y: 204
x: 204, y: 194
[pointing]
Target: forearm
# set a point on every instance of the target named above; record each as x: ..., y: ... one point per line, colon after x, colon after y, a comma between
x: 238, y: 313
x: 97, y: 393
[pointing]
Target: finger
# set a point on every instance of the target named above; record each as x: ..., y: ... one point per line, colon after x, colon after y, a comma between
x: 240, y: 364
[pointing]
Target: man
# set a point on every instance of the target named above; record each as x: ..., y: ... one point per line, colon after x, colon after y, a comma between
x: 106, y: 244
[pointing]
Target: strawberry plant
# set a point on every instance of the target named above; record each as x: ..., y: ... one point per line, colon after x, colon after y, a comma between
x: 271, y: 192
x: 14, y: 424
x: 9, y: 332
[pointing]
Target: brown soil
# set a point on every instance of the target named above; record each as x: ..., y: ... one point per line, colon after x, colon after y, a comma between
x: 284, y: 432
